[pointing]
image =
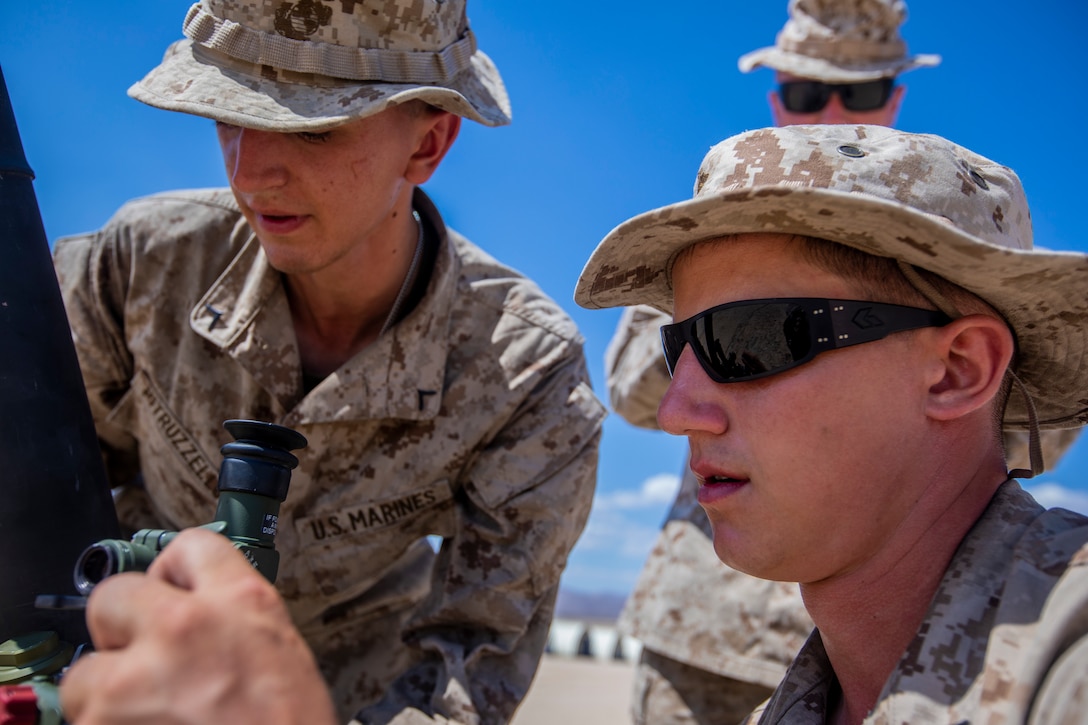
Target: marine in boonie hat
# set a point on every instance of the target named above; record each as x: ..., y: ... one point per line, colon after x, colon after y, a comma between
x: 840, y: 41
x: 919, y: 199
x: 309, y: 65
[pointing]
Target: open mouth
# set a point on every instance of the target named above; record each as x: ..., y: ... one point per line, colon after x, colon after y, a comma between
x: 714, y: 489
x: 280, y: 223
x: 722, y: 479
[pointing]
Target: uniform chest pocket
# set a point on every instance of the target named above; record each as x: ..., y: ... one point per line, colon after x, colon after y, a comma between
x: 353, y: 545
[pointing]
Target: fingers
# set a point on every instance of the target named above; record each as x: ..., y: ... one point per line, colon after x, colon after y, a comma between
x: 124, y: 687
x: 199, y: 557
x: 202, y: 637
x: 114, y: 604
x: 83, y: 681
x: 118, y: 605
x: 195, y: 561
x: 208, y: 564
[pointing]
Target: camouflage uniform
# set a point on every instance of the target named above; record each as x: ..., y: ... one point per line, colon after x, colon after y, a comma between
x: 715, y: 641
x: 1005, y: 639
x: 471, y: 420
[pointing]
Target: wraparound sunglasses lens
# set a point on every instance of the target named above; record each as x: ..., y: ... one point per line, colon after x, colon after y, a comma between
x: 812, y: 96
x: 756, y: 338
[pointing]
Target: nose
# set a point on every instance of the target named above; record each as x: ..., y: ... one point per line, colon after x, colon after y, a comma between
x: 834, y: 111
x: 253, y: 158
x: 692, y: 403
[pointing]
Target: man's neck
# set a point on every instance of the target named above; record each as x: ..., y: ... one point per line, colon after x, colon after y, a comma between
x: 343, y: 309
x: 865, y: 629
x: 868, y: 617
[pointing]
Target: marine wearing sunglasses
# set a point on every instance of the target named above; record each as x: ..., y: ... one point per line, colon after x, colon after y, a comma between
x: 752, y: 339
x: 808, y: 96
x: 809, y: 100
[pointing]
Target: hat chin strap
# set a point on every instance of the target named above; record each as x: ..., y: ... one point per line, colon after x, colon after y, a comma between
x: 1035, y: 448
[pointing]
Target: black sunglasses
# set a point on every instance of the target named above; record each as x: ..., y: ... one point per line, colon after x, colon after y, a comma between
x: 756, y: 338
x: 812, y: 96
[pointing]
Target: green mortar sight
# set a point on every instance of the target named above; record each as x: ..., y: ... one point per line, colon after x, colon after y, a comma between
x: 253, y: 481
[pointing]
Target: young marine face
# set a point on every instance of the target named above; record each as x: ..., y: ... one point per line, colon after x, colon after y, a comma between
x: 834, y: 111
x: 316, y: 199
x: 807, y: 473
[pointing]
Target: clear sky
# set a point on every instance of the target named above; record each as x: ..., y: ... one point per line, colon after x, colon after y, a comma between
x: 615, y: 104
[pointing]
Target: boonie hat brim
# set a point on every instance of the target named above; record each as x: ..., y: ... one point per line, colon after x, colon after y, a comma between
x: 204, y: 82
x: 829, y: 71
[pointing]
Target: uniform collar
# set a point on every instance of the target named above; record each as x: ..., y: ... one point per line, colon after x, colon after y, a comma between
x: 245, y: 314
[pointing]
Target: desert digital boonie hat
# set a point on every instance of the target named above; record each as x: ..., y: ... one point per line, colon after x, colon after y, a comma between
x: 916, y: 198
x: 309, y: 65
x: 840, y: 41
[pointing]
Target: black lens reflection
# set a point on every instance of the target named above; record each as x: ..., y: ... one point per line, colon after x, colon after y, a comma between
x: 750, y: 340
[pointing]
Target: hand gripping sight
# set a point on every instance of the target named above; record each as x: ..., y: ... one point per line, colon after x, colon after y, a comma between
x: 253, y: 481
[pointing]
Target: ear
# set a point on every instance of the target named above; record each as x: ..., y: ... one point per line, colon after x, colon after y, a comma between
x: 892, y: 107
x: 438, y: 131
x: 775, y: 103
x: 972, y: 354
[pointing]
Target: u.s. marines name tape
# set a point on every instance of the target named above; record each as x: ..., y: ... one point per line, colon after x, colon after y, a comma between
x: 371, y: 515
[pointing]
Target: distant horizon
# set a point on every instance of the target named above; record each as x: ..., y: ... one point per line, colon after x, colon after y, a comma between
x: 577, y: 604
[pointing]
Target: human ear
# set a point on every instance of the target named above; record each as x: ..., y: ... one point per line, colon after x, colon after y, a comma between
x: 893, y: 104
x: 971, y: 355
x: 776, y: 108
x: 438, y: 131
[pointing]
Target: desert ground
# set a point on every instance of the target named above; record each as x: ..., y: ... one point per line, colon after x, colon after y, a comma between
x: 578, y: 691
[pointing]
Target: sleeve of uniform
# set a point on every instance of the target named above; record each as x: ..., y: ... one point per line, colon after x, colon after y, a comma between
x: 635, y: 368
x: 1061, y: 649
x: 93, y: 282
x: 1063, y: 697
x: 525, y: 501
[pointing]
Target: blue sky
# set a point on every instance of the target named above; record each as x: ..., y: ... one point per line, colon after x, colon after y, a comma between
x: 615, y: 105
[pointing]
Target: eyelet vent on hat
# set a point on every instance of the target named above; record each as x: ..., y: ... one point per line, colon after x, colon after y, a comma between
x: 852, y: 151
x: 977, y: 178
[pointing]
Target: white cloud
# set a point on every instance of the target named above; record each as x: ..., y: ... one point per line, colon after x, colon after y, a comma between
x: 1052, y: 495
x: 655, y: 492
x: 621, y: 530
x: 626, y: 537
